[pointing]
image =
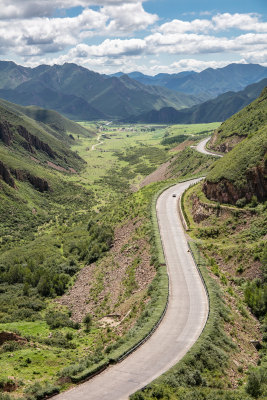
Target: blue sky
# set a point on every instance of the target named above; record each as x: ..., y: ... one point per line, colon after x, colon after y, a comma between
x: 150, y: 36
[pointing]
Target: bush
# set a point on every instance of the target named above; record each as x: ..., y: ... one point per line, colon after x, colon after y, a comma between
x: 257, y: 379
x: 39, y: 392
x: 56, y: 319
x: 87, y: 321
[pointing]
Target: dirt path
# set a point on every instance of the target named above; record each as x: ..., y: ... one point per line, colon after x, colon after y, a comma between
x: 97, y: 144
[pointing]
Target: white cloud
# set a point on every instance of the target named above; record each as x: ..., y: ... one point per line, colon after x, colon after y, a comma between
x: 245, y: 22
x: 220, y: 22
x: 110, y: 49
x: 178, y: 26
x: 36, y: 38
x: 43, y: 35
x: 45, y: 8
x: 128, y: 17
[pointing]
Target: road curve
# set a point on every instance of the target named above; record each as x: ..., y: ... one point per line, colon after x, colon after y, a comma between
x: 97, y: 144
x: 201, y: 147
x: 181, y: 326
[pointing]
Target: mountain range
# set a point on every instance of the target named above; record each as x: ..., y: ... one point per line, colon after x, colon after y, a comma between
x: 218, y: 109
x: 81, y: 94
x: 209, y: 83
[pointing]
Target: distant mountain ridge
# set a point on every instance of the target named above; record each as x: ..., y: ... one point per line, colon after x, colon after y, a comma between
x: 81, y: 94
x: 208, y: 83
x: 215, y: 110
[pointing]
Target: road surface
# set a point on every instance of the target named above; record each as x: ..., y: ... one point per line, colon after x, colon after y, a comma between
x: 97, y: 144
x: 181, y: 326
x: 201, y: 147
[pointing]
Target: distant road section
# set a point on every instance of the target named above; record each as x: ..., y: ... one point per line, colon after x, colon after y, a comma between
x: 201, y: 147
x: 181, y: 326
x: 97, y: 144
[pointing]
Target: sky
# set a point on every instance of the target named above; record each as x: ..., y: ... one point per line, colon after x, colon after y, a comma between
x: 150, y: 36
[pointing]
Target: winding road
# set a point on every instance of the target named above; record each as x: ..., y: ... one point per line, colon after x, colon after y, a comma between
x: 201, y: 148
x: 181, y: 326
x: 97, y: 144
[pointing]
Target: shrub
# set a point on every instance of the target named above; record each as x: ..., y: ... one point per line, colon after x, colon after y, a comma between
x: 257, y: 379
x: 56, y: 319
x: 87, y: 321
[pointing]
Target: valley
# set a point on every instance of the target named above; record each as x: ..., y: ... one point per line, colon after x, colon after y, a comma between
x: 82, y: 272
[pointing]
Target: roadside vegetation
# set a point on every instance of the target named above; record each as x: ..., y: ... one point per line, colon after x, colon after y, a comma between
x: 229, y: 359
x: 92, y: 238
x: 87, y: 231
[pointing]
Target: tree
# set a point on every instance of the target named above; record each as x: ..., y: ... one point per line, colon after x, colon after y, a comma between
x: 88, y: 321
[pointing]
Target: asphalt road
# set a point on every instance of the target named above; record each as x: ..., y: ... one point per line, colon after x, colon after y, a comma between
x: 201, y: 147
x: 184, y: 321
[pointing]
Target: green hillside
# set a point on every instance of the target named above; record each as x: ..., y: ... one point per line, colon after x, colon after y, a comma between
x: 240, y: 175
x: 239, y: 126
x: 51, y: 121
x: 33, y: 155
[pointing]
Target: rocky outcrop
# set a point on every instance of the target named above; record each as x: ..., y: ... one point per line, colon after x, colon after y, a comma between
x: 39, y: 183
x: 225, y: 191
x: 5, y: 132
x: 226, y: 144
x: 34, y: 141
x: 6, y: 175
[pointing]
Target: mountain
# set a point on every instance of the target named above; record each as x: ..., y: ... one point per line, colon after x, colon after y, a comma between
x: 158, y: 80
x: 81, y: 94
x: 218, y: 109
x: 241, y: 174
x: 53, y: 122
x: 30, y: 147
x: 210, y: 82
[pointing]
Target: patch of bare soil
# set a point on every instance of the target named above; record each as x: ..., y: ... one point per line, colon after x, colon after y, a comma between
x: 35, y: 159
x: 163, y: 172
x: 183, y: 145
x: 11, y: 337
x: 159, y: 175
x: 103, y: 290
x: 57, y: 167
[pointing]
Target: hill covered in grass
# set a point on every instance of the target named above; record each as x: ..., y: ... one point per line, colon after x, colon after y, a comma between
x: 51, y: 121
x: 241, y: 125
x: 240, y: 176
x: 30, y: 148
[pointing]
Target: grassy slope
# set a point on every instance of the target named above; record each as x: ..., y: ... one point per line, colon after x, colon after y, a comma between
x: 248, y: 121
x: 234, y: 165
x: 50, y: 119
x: 59, y: 143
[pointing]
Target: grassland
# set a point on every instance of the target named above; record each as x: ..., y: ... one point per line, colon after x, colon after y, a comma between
x: 47, y: 239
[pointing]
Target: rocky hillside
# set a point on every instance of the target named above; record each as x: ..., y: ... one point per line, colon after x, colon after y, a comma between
x: 241, y: 175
